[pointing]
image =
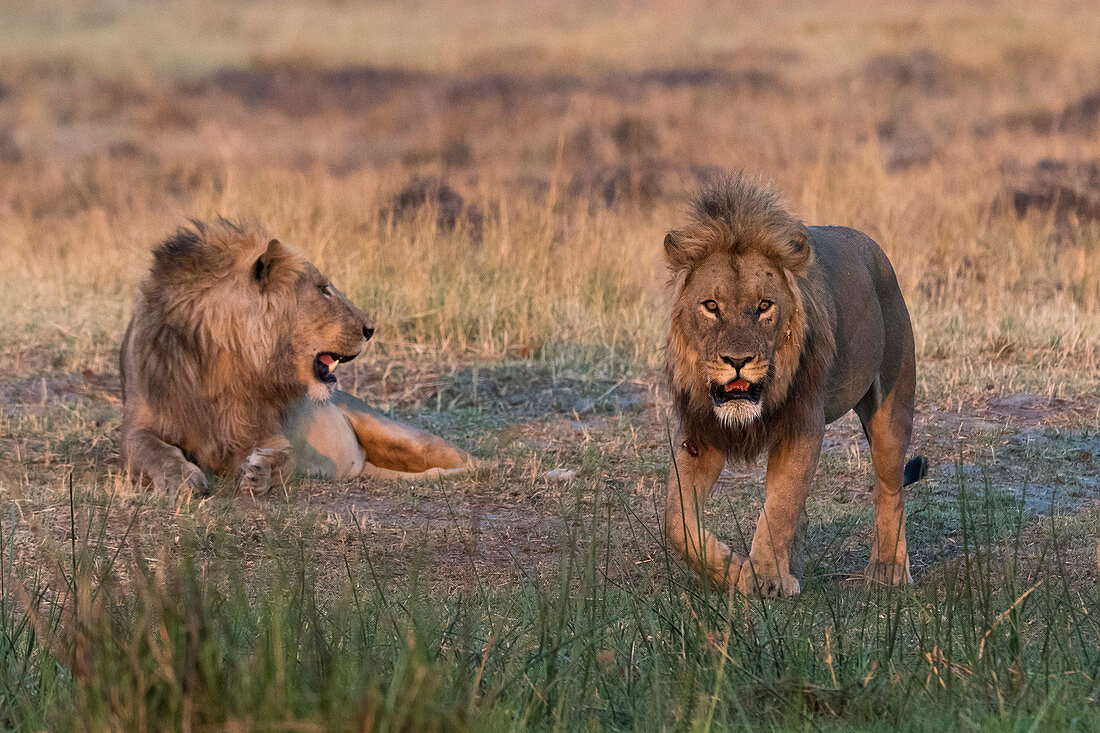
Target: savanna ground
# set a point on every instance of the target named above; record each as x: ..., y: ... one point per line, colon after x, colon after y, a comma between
x: 493, y: 182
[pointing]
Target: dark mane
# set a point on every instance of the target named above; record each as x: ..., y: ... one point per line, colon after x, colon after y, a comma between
x: 192, y: 245
x: 735, y: 215
x: 201, y: 309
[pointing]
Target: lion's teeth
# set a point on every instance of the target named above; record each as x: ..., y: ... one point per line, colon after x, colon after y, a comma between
x: 332, y: 366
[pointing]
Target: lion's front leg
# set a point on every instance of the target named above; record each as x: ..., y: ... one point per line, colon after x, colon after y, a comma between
x: 691, y: 478
x: 144, y: 452
x: 791, y: 466
x: 271, y: 462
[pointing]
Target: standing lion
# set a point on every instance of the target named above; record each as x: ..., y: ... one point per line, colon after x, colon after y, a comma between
x: 778, y: 329
x: 229, y: 365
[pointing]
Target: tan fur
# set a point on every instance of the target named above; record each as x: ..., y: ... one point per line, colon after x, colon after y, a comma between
x: 220, y: 353
x: 810, y: 318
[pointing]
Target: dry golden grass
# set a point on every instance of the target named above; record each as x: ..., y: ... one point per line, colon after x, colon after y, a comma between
x: 123, y: 127
x: 576, y: 131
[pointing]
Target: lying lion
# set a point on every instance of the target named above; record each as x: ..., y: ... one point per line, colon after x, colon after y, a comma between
x: 229, y: 365
x: 776, y: 330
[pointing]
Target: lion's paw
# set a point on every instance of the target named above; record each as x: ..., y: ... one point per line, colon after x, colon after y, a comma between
x: 725, y: 570
x: 889, y: 573
x: 767, y: 586
x: 194, y: 481
x: 184, y: 479
x: 255, y: 474
x: 732, y: 574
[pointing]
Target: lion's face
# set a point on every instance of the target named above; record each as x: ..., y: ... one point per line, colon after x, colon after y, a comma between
x: 732, y: 314
x: 328, y: 330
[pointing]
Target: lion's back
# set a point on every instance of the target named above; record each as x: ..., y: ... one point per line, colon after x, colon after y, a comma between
x: 872, y: 330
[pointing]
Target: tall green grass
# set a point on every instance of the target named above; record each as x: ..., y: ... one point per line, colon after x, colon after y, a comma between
x: 178, y: 634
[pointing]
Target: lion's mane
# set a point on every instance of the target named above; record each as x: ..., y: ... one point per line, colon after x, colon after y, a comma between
x: 735, y: 216
x: 211, y: 357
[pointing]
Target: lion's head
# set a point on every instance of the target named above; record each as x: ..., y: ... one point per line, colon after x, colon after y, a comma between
x: 748, y: 328
x: 253, y: 308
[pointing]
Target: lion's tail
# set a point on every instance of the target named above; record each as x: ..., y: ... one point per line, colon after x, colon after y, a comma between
x: 915, y: 469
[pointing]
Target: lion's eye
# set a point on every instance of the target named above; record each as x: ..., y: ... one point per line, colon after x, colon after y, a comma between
x: 711, y: 305
x: 325, y: 289
x: 764, y: 307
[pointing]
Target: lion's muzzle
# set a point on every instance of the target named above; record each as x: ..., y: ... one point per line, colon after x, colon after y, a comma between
x: 737, y: 391
x: 326, y: 362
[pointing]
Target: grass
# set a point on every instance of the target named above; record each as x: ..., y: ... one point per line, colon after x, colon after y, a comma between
x: 993, y: 643
x: 531, y: 333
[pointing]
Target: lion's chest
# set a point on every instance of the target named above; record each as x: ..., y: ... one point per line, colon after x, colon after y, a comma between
x: 224, y: 438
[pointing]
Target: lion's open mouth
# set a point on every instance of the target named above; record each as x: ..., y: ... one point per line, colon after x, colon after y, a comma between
x: 737, y: 389
x: 325, y: 363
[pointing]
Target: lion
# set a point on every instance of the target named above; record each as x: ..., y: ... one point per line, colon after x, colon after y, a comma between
x: 229, y: 366
x: 776, y: 330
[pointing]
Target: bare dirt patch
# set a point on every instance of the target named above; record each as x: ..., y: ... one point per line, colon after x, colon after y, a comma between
x: 524, y: 392
x: 571, y: 450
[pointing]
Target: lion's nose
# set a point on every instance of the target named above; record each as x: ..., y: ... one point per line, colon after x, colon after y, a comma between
x: 737, y: 363
x: 367, y: 333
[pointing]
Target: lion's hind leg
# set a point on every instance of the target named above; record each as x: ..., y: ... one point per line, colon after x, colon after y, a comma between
x: 325, y: 446
x: 888, y: 424
x: 395, y: 450
x: 369, y: 469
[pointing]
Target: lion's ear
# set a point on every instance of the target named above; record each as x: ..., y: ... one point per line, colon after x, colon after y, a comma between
x: 680, y: 251
x: 671, y: 246
x: 799, y: 254
x: 261, y: 268
x: 683, y: 251
x: 801, y: 238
